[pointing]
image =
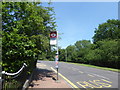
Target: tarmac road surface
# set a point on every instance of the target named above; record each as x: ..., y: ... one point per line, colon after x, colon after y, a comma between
x: 85, y: 77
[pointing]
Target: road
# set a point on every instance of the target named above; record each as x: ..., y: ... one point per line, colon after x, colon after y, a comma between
x: 85, y: 77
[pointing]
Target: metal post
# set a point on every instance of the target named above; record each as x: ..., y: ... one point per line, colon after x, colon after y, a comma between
x: 66, y: 54
x: 57, y: 73
x: 54, y: 41
x: 57, y: 55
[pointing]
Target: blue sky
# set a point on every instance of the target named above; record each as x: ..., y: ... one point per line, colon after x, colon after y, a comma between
x: 78, y: 20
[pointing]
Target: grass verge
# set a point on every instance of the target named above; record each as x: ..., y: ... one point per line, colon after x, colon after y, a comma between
x: 98, y: 67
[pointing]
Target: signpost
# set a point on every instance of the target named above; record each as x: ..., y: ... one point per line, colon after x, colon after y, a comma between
x: 53, y: 38
x: 54, y: 42
x: 53, y: 34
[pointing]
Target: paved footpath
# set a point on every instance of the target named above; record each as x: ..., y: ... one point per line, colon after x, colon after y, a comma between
x: 44, y: 77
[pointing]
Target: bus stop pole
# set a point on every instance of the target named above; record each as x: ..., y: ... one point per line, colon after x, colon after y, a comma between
x: 57, y: 59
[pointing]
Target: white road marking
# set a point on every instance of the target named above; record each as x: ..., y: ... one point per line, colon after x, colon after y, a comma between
x: 75, y: 68
x: 90, y: 75
x: 81, y: 72
x: 99, y: 75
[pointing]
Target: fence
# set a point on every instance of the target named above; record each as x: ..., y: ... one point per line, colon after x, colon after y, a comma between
x: 8, y: 79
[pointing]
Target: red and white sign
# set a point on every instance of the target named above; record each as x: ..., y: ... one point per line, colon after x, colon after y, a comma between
x: 53, y: 34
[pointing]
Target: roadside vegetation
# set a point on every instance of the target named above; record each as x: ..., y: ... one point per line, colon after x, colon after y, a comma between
x: 25, y: 35
x: 103, y: 52
x: 98, y: 67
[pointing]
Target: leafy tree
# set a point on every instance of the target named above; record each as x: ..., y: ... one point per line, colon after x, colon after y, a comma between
x: 82, y: 44
x: 0, y: 35
x: 82, y: 48
x: 71, y: 53
x: 111, y: 56
x: 107, y: 30
x: 106, y: 38
x: 26, y: 27
x: 106, y: 55
x: 17, y: 49
x: 94, y: 56
x: 62, y: 54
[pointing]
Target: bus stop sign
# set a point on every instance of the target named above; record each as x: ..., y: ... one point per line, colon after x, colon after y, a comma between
x: 53, y: 34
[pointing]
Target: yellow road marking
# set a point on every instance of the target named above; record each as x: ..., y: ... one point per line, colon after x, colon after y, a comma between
x: 103, y: 84
x: 81, y: 72
x: 73, y: 85
x: 85, y: 84
x: 94, y: 83
x: 106, y: 81
x: 90, y: 75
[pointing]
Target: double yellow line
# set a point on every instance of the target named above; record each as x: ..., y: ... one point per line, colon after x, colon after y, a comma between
x: 73, y: 85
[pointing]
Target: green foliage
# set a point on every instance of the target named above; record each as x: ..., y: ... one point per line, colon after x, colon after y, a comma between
x: 25, y: 27
x: 105, y: 55
x: 95, y: 56
x: 62, y: 55
x: 70, y: 52
x: 82, y: 48
x: 13, y: 84
x: 17, y: 49
x: 107, y: 30
x: 107, y: 38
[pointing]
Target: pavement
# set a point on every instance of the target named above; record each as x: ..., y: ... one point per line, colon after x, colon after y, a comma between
x: 45, y: 77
